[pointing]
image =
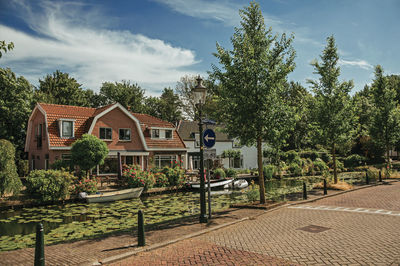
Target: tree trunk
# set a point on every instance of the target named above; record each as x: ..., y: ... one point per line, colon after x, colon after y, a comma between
x: 260, y: 171
x: 334, y: 163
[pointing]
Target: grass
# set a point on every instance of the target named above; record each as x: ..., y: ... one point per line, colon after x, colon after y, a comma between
x: 340, y: 185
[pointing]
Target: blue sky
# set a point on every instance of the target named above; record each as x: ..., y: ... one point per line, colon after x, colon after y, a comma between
x: 155, y: 42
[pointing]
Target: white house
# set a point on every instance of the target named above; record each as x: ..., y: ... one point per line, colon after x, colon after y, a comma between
x: 189, y: 132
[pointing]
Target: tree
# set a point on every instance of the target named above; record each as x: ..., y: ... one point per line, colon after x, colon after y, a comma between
x: 333, y: 111
x: 9, y: 180
x: 235, y: 154
x: 88, y: 152
x: 15, y: 107
x: 5, y: 47
x: 252, y: 84
x: 385, y: 124
x: 127, y: 94
x: 167, y: 107
x: 60, y: 88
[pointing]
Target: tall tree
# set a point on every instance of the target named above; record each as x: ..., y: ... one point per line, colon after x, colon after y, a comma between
x: 252, y: 81
x: 15, y: 107
x: 125, y: 93
x: 166, y: 107
x: 333, y: 111
x: 5, y: 47
x: 385, y: 124
x: 60, y: 88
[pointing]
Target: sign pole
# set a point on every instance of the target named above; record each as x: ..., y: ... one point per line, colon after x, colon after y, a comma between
x: 209, y: 189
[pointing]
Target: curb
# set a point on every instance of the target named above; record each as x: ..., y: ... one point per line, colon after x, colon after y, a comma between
x: 163, y: 244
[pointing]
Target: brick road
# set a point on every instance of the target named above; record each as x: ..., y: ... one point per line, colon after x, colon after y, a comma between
x: 350, y: 238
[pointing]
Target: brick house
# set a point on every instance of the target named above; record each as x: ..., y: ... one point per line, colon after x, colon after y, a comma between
x: 140, y: 138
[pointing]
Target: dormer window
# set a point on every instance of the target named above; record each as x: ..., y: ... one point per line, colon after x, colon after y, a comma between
x: 66, y: 128
x: 155, y: 133
x: 168, y: 134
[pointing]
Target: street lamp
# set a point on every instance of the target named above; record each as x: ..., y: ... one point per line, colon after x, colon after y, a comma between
x: 199, y: 95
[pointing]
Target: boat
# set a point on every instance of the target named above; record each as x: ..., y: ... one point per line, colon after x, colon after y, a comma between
x: 214, y: 184
x: 115, y: 195
x: 240, y: 183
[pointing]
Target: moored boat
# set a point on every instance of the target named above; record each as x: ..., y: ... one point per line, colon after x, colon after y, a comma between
x: 115, y: 195
x: 214, y: 184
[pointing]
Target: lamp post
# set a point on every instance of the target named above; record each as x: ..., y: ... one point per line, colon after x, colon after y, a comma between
x: 199, y: 94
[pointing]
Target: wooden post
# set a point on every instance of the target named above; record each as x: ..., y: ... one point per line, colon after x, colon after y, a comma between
x: 141, y: 237
x: 304, y: 191
x: 39, y: 246
x: 325, y: 188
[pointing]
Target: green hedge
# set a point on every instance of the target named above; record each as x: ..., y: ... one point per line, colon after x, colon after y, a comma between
x: 48, y: 185
x: 9, y: 180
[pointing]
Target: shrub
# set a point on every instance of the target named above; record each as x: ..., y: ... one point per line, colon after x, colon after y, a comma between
x: 134, y: 177
x: 23, y: 167
x: 373, y: 174
x: 88, y: 185
x: 62, y: 165
x: 270, y: 171
x: 313, y: 155
x: 175, y: 175
x: 253, y: 193
x: 48, y: 185
x: 160, y: 180
x: 295, y: 169
x: 320, y: 165
x: 219, y: 173
x: 354, y: 160
x: 9, y: 180
x: 230, y: 172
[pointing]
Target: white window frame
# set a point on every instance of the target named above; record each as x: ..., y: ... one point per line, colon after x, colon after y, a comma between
x: 158, y: 163
x: 130, y: 134
x: 60, y: 126
x: 153, y: 135
x: 165, y: 133
x: 105, y: 133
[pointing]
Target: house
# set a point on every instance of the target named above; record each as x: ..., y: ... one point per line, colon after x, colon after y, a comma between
x: 140, y: 138
x: 189, y: 131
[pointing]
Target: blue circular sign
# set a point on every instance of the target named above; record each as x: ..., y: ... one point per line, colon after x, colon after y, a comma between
x: 209, y: 138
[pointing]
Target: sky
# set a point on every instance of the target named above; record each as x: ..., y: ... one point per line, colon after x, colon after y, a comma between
x: 155, y: 42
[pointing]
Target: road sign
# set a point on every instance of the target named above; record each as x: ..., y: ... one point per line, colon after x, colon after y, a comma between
x: 209, y: 138
x: 210, y: 154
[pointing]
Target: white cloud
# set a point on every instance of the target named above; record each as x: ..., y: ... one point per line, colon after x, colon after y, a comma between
x: 70, y: 39
x: 358, y: 63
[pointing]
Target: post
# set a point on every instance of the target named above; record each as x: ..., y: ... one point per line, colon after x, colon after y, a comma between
x: 119, y: 166
x: 39, y: 247
x: 380, y: 176
x: 209, y: 189
x: 304, y: 191
x: 366, y: 178
x: 141, y: 238
x: 203, y: 215
x: 325, y: 188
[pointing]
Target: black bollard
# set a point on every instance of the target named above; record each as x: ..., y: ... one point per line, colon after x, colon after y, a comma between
x: 366, y: 178
x: 325, y: 189
x: 380, y: 176
x: 141, y: 238
x: 39, y: 246
x: 304, y: 191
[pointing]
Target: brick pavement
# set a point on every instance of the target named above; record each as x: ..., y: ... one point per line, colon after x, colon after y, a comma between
x: 351, y: 238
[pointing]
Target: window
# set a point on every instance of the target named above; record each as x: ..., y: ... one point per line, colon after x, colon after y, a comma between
x: 197, y: 140
x: 155, y: 133
x: 39, y: 132
x: 129, y: 160
x: 168, y: 134
x: 164, y: 160
x: 110, y: 166
x: 105, y: 133
x: 237, y: 162
x: 124, y: 134
x: 67, y: 129
x: 46, y: 162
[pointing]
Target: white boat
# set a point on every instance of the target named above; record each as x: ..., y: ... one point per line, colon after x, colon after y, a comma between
x: 238, y: 184
x: 213, y: 184
x: 115, y: 195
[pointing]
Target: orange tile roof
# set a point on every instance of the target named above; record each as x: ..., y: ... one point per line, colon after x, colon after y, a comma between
x: 84, y: 117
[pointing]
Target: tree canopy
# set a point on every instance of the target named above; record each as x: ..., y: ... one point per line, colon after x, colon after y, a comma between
x: 127, y: 94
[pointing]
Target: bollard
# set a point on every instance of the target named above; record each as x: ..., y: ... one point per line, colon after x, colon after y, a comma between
x: 304, y: 191
x: 380, y: 176
x: 325, y: 189
x: 39, y: 246
x: 141, y: 238
x: 366, y: 178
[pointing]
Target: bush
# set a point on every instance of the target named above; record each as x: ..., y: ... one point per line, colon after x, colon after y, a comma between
x: 134, y: 177
x: 48, y: 185
x: 320, y: 165
x: 313, y: 155
x: 270, y: 171
x: 253, y: 193
x: 295, y: 169
x: 354, y: 160
x: 219, y: 173
x: 9, y: 180
x: 372, y: 173
x: 22, y: 167
x: 88, y: 185
x: 230, y: 172
x: 175, y: 175
x: 160, y: 180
